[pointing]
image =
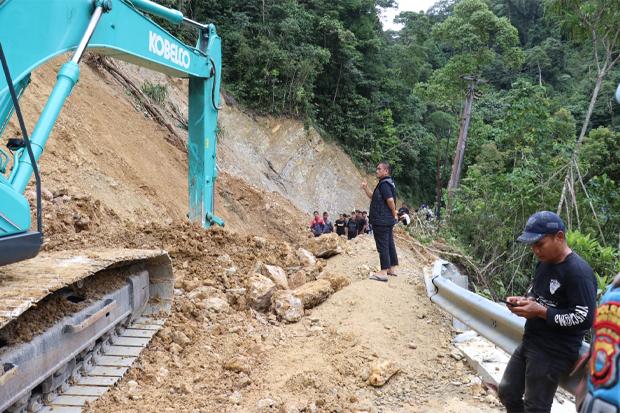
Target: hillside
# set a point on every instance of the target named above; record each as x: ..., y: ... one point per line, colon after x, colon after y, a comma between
x: 112, y: 179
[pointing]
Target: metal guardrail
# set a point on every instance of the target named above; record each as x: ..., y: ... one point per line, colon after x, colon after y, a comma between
x: 489, y: 319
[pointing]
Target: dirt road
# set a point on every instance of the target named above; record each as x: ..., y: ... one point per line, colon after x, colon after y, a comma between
x: 243, y: 361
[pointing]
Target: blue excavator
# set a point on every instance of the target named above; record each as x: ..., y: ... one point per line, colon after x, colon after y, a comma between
x: 38, y: 370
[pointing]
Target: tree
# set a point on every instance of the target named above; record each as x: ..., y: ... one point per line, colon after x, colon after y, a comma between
x: 477, y: 37
x: 537, y: 58
x: 595, y: 21
x: 440, y: 124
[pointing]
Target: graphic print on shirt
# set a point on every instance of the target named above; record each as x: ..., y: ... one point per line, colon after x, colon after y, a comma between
x: 605, y: 349
x: 553, y: 286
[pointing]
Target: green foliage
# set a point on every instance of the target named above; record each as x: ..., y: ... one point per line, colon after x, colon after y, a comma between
x: 157, y: 93
x: 604, y: 261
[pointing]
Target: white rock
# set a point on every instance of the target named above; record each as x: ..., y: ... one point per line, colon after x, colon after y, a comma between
x: 288, y: 306
x: 277, y: 275
x: 265, y: 403
x: 259, y: 292
x: 217, y: 305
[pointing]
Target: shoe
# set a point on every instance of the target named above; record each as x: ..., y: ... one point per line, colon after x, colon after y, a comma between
x: 377, y: 278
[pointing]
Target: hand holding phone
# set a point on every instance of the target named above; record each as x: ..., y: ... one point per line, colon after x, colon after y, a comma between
x: 508, y: 303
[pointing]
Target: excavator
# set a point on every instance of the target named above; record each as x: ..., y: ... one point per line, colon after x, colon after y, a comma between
x: 72, y: 322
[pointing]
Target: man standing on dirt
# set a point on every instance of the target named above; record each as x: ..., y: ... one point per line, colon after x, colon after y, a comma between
x: 383, y: 217
x: 340, y: 223
x: 368, y: 226
x: 361, y: 223
x: 317, y: 226
x: 559, y: 309
x: 351, y: 228
x: 329, y: 227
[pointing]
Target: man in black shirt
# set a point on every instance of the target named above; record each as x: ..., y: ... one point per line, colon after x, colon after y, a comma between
x: 351, y: 228
x: 559, y: 308
x: 361, y: 223
x: 340, y: 223
x: 383, y: 218
x: 403, y: 209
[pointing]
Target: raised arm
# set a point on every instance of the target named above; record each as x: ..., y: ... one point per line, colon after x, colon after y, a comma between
x: 364, y: 186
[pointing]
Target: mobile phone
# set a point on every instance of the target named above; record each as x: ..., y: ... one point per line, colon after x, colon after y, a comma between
x: 507, y: 303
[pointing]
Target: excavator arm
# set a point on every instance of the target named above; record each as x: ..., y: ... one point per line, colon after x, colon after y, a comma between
x: 34, y: 31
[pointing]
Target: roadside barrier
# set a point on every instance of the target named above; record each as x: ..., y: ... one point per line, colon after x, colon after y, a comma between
x: 489, y: 319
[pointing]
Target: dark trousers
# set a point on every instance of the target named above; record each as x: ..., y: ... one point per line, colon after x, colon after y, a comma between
x: 384, y: 239
x: 531, y: 379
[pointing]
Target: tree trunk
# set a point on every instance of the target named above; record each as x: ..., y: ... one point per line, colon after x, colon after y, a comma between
x: 438, y: 204
x: 445, y: 158
x: 459, y: 154
x: 599, y: 80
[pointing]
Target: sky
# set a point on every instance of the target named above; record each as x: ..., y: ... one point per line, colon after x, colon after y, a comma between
x: 404, y: 5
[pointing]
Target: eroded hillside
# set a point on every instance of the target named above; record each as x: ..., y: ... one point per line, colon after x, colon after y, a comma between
x: 111, y: 179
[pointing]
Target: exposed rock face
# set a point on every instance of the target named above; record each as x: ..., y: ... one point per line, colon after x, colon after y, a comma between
x: 259, y: 292
x: 280, y: 155
x: 287, y: 306
x: 314, y: 293
x: 380, y: 372
x: 325, y: 246
x: 337, y: 281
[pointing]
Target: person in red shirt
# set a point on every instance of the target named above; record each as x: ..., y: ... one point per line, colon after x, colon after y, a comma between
x: 317, y: 226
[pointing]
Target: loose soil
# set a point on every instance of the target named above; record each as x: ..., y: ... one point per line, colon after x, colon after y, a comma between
x: 112, y: 179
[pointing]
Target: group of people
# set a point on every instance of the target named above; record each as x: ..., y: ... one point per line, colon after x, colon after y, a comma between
x: 348, y: 225
x: 559, y: 307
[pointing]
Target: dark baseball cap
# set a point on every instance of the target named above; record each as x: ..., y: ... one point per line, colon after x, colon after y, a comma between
x: 539, y: 225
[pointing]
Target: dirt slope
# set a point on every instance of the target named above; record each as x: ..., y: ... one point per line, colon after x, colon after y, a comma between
x: 112, y: 179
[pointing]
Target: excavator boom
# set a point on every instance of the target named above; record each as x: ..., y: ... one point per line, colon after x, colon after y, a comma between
x: 34, y: 31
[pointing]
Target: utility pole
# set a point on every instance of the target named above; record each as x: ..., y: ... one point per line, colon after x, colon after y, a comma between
x: 459, y: 154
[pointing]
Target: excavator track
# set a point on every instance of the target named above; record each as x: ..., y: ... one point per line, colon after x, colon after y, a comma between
x: 72, y: 322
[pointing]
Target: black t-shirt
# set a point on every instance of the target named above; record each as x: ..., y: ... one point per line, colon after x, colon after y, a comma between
x: 568, y: 290
x: 403, y: 210
x: 340, y: 227
x: 352, y: 225
x: 360, y: 224
x: 386, y: 192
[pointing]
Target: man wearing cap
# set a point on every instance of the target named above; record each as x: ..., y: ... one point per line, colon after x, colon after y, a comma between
x: 558, y: 308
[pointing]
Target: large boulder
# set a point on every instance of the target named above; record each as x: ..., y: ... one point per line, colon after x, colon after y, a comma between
x: 259, y: 291
x: 287, y: 306
x: 337, y: 281
x: 306, y: 258
x: 325, y: 246
x: 314, y: 293
x: 275, y: 274
x: 297, y: 279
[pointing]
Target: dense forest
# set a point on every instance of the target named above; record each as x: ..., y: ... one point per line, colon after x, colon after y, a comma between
x: 541, y: 77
